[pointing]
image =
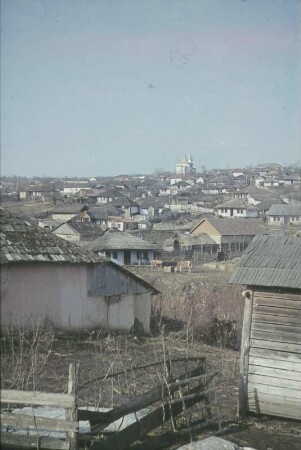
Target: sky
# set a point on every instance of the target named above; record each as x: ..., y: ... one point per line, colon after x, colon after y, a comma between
x: 109, y: 87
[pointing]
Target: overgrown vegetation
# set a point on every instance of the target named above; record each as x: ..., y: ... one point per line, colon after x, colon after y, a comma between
x: 214, y: 317
x: 25, y: 352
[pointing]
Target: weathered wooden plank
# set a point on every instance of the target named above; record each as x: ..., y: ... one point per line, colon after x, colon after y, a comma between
x: 275, y: 355
x: 276, y: 410
x: 276, y: 328
x: 289, y: 338
x: 281, y: 320
x: 244, y: 356
x: 278, y: 294
x: 274, y: 311
x: 268, y: 398
x: 275, y: 364
x: 42, y: 423
x: 71, y: 413
x: 137, y: 430
x: 277, y: 373
x: 273, y: 390
x: 279, y: 346
x: 100, y: 420
x: 21, y: 441
x: 37, y: 398
x: 273, y: 381
x: 277, y: 302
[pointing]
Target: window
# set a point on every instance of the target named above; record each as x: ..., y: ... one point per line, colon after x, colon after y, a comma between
x: 145, y: 256
x: 108, y: 255
x: 114, y: 255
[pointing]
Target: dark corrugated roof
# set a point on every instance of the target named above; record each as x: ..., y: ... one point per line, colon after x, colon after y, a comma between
x: 273, y: 261
x: 23, y: 242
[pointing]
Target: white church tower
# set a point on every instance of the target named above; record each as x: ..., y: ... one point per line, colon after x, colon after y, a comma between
x: 185, y: 167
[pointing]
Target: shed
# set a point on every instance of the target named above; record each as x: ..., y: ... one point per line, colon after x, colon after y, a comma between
x: 232, y: 235
x: 270, y: 362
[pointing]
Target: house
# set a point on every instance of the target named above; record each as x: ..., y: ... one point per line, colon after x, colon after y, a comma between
x: 232, y: 236
x: 100, y: 214
x: 122, y: 223
x: 43, y: 193
x: 87, y: 194
x: 154, y: 206
x: 66, y: 211
x: 292, y: 180
x: 270, y: 361
x: 265, y: 168
x: 107, y: 195
x: 284, y: 214
x: 78, y: 232
x: 238, y: 173
x: 127, y: 205
x: 195, y: 244
x: 267, y: 181
x: 47, y: 280
x: 123, y: 248
x: 48, y: 224
x: 69, y: 189
x: 179, y: 186
x: 256, y: 195
x: 236, y: 207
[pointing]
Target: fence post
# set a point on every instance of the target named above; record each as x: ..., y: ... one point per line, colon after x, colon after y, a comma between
x: 71, y: 413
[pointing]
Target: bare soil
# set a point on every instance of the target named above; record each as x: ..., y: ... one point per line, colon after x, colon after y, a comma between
x: 100, y: 353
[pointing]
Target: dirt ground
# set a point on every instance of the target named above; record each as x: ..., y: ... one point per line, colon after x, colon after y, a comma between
x: 100, y: 353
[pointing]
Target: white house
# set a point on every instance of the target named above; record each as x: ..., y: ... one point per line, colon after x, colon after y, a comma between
x: 236, y: 207
x: 284, y: 214
x: 47, y: 280
x: 123, y: 248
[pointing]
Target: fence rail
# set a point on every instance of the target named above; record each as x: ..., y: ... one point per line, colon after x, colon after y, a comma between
x: 13, y: 423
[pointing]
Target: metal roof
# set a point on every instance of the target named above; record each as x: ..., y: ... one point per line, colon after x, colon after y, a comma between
x: 273, y: 261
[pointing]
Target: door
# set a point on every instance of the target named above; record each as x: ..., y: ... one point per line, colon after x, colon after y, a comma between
x: 127, y: 258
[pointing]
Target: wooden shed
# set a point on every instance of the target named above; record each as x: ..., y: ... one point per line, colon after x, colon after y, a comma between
x: 270, y: 363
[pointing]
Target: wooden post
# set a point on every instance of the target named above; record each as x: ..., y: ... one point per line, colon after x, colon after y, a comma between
x: 71, y: 413
x: 244, y: 354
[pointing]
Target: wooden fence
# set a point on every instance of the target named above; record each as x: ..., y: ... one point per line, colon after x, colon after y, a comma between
x: 191, y: 395
x: 14, y: 423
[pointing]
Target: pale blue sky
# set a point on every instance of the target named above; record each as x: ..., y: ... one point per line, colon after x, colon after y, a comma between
x: 103, y: 87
